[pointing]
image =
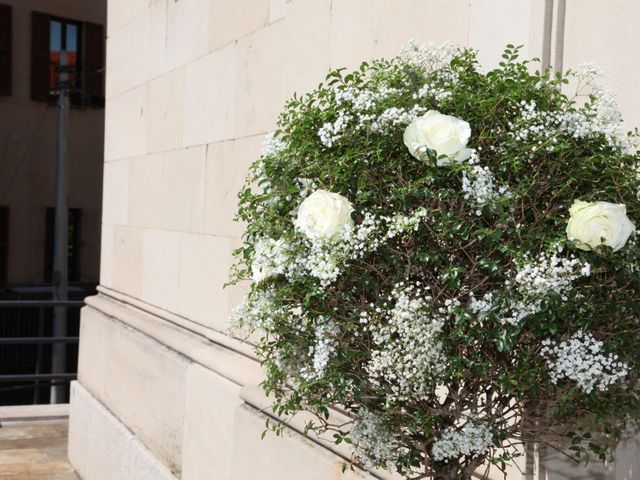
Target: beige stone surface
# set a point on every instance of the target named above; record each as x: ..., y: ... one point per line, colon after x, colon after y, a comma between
x: 160, y: 268
x: 209, y: 102
x: 125, y: 127
x: 210, y: 403
x: 183, y: 189
x: 227, y: 168
x: 126, y: 257
x: 287, y: 457
x: 102, y: 448
x: 141, y: 382
x: 145, y: 191
x: 164, y: 109
x: 204, y: 82
x: 608, y: 40
x: 230, y: 21
x: 187, y: 31
x: 115, y: 188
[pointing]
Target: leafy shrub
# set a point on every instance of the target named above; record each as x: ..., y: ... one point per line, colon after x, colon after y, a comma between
x: 449, y: 256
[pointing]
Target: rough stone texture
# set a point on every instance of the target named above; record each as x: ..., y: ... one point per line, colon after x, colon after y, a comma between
x: 102, y: 448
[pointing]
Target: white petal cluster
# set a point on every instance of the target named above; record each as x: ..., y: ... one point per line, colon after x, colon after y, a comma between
x: 375, y: 444
x: 325, y: 346
x: 479, y: 185
x: 272, y: 146
x: 363, y: 100
x: 600, y: 117
x: 474, y: 438
x: 430, y: 57
x: 581, y: 359
x: 400, y: 224
x: 331, y: 132
x: 393, y: 117
x: 536, y: 279
x: 407, y: 352
x: 429, y: 90
x: 256, y: 312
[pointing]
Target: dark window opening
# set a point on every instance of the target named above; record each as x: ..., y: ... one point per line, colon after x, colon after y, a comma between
x: 4, y: 245
x: 73, y: 248
x: 83, y: 43
x: 6, y: 33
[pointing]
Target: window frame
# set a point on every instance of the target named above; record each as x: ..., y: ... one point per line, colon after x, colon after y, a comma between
x: 6, y: 49
x: 89, y: 89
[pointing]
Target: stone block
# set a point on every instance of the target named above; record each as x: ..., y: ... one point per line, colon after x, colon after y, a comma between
x: 127, y: 59
x: 187, y: 31
x: 496, y: 23
x: 210, y: 405
x: 122, y: 12
x: 106, y: 255
x: 125, y: 125
x: 606, y: 39
x: 115, y: 192
x: 227, y: 168
x: 261, y: 86
x: 160, y: 267
x: 366, y: 29
x: 183, y: 187
x: 209, y: 103
x: 288, y: 457
x: 205, y: 263
x: 141, y: 382
x: 101, y: 448
x: 308, y: 44
x: 145, y: 191
x: 165, y: 111
x: 126, y: 264
x: 230, y: 21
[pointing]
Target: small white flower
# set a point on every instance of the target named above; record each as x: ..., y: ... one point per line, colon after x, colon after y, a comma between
x: 580, y: 358
x: 474, y: 438
x: 599, y: 223
x: 445, y: 134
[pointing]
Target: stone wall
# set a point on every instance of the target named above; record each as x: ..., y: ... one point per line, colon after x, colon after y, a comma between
x: 192, y: 88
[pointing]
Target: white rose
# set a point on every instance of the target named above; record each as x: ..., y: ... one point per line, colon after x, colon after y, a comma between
x: 599, y: 223
x: 445, y: 134
x: 269, y: 258
x: 324, y: 215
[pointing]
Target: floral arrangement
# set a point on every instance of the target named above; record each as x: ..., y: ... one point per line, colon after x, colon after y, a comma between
x: 448, y: 256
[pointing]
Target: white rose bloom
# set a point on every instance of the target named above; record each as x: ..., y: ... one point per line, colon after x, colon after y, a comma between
x: 269, y: 259
x: 445, y: 134
x: 599, y: 223
x: 324, y: 215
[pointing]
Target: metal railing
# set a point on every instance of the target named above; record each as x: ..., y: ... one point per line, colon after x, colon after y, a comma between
x: 39, y: 379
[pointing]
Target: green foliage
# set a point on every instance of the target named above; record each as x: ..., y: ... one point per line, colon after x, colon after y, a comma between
x: 460, y: 251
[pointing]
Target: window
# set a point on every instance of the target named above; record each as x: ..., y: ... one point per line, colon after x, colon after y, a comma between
x: 83, y: 43
x: 73, y: 249
x: 4, y: 245
x: 5, y: 49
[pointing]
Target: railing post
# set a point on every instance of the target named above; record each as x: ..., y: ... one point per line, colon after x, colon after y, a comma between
x: 39, y: 351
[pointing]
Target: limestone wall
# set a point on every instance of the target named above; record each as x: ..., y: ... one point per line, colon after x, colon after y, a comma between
x: 192, y: 87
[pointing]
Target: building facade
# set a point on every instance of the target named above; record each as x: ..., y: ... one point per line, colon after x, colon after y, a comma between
x: 192, y: 88
x: 32, y: 34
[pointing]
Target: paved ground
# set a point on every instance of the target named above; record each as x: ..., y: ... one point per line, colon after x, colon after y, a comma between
x: 34, y: 448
